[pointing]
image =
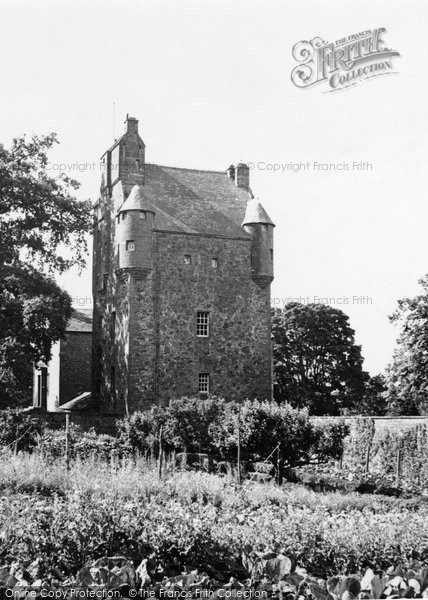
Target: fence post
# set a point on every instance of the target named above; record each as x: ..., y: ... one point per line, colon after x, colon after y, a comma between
x: 160, y: 453
x: 399, y: 459
x: 278, y: 465
x: 239, y: 446
x: 367, y: 465
x: 67, y: 440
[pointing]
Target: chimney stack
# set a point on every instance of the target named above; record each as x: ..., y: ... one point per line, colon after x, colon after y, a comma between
x: 231, y: 172
x: 131, y: 125
x: 242, y: 176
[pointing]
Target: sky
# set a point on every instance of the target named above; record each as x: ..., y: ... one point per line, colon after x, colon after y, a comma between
x: 210, y: 84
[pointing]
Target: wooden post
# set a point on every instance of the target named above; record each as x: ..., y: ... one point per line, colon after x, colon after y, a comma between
x: 67, y: 440
x: 399, y: 456
x: 367, y: 465
x: 278, y: 465
x: 239, y: 447
x: 160, y: 453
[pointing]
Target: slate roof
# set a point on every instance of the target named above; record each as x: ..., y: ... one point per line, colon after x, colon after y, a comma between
x: 137, y: 200
x: 80, y: 320
x: 82, y: 402
x: 255, y: 213
x: 192, y: 201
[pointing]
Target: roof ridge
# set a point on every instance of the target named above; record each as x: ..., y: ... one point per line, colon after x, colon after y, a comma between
x: 186, y: 169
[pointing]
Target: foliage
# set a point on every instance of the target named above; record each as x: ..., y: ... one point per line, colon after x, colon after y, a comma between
x: 200, y: 524
x: 189, y: 423
x: 407, y: 384
x: 211, y: 425
x: 374, y: 402
x: 18, y: 430
x: 42, y: 229
x: 34, y: 312
x: 82, y: 444
x: 316, y: 361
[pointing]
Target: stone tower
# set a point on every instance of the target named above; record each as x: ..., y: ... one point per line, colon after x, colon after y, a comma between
x: 182, y: 266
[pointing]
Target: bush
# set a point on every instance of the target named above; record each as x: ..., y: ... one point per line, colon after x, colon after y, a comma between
x: 210, y: 426
x: 82, y: 444
x: 18, y: 430
x: 265, y: 426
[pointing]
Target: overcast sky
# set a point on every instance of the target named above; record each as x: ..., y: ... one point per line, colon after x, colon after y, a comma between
x: 210, y: 83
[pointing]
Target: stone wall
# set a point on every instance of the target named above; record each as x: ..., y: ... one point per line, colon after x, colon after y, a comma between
x: 56, y: 420
x: 383, y: 424
x: 237, y: 353
x: 75, y: 365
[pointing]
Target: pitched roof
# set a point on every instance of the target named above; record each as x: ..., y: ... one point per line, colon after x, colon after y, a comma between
x: 80, y: 320
x: 255, y: 213
x: 192, y: 201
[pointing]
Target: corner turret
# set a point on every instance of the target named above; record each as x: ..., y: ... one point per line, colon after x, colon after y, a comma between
x: 134, y: 232
x: 259, y: 225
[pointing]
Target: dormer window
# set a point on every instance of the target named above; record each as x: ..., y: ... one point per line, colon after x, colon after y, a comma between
x: 187, y: 259
x: 130, y: 245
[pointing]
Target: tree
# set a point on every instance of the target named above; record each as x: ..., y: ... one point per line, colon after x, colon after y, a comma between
x: 407, y: 375
x: 316, y: 361
x: 211, y: 425
x: 374, y: 401
x: 42, y: 231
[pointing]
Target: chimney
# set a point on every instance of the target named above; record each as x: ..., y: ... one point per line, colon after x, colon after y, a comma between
x: 231, y: 172
x: 242, y: 176
x: 131, y: 125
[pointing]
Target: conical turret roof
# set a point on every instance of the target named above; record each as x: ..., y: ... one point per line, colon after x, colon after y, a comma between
x: 137, y: 200
x: 255, y: 213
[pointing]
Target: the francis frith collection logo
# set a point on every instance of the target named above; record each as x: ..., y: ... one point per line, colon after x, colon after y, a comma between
x: 342, y: 63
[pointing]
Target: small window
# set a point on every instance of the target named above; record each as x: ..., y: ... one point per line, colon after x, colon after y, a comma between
x: 204, y: 383
x: 202, y: 324
x: 130, y: 245
x: 187, y: 259
x: 271, y: 254
x: 118, y: 219
x: 143, y: 214
x: 214, y: 263
x: 124, y: 215
x: 105, y: 281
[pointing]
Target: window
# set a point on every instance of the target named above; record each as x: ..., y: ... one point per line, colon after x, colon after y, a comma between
x: 271, y: 254
x: 187, y: 259
x: 130, y: 245
x: 105, y: 281
x: 202, y: 324
x: 124, y: 215
x: 214, y: 263
x: 143, y: 214
x: 204, y: 383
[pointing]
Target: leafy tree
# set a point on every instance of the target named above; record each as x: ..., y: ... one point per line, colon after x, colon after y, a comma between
x: 406, y: 376
x: 265, y: 426
x: 316, y: 361
x: 374, y: 402
x: 42, y: 231
x: 211, y: 425
x: 19, y: 431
